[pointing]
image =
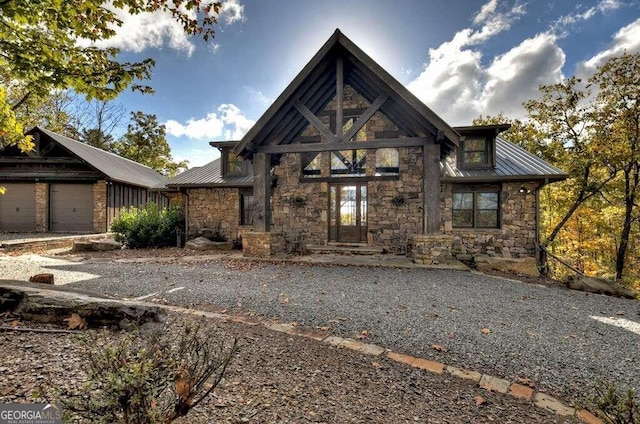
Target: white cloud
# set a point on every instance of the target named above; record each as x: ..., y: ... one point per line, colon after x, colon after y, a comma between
x: 227, y: 121
x: 231, y: 12
x: 626, y: 39
x: 580, y: 14
x: 158, y: 29
x: 515, y: 76
x: 146, y: 30
x: 458, y: 87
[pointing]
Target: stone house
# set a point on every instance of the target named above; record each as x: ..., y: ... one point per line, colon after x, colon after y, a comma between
x: 63, y: 185
x: 347, y: 156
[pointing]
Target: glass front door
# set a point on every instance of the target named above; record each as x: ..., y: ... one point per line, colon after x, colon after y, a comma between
x: 348, y: 213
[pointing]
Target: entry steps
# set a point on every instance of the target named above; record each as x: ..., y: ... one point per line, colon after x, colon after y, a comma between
x: 346, y: 249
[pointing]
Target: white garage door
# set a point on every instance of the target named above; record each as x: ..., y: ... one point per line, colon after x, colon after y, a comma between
x: 18, y: 207
x: 71, y: 207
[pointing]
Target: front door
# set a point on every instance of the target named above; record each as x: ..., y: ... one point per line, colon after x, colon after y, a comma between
x: 348, y: 213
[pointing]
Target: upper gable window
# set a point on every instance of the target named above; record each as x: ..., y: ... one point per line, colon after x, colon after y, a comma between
x: 233, y: 165
x: 476, y: 152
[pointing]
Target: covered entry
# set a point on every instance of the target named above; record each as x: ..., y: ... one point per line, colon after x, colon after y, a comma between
x: 18, y: 207
x: 348, y: 213
x: 71, y: 207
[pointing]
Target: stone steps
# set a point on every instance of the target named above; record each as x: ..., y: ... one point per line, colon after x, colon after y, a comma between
x: 346, y: 249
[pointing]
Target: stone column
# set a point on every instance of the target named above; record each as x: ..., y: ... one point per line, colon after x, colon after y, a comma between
x: 42, y: 207
x: 100, y: 207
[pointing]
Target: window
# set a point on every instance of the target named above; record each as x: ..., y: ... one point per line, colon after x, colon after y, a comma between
x: 350, y: 163
x: 476, y: 151
x: 232, y: 164
x: 387, y: 161
x: 476, y: 209
x: 246, y: 207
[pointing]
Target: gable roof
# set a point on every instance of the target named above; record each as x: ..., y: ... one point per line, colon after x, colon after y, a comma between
x: 512, y: 163
x: 115, y: 167
x: 316, y: 85
x: 209, y: 175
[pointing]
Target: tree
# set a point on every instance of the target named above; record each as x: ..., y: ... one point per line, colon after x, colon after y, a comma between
x: 617, y: 119
x: 40, y: 49
x: 563, y: 114
x: 145, y: 142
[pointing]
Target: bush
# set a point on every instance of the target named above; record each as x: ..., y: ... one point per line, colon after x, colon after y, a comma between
x: 142, y: 378
x: 148, y: 227
x: 615, y: 405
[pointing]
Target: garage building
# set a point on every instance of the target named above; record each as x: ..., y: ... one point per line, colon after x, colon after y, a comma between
x: 63, y: 185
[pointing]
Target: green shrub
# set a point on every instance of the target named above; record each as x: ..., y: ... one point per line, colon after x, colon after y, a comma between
x: 140, y: 378
x: 148, y: 227
x: 615, y: 405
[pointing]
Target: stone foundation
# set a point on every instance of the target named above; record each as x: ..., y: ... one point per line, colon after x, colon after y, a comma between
x: 256, y: 244
x: 431, y: 248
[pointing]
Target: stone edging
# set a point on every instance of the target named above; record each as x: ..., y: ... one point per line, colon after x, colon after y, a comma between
x: 484, y: 381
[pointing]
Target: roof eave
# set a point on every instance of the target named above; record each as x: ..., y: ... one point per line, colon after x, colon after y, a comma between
x: 211, y: 185
x: 286, y: 94
x: 505, y: 178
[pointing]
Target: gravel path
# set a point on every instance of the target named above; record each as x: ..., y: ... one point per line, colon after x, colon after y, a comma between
x: 542, y: 333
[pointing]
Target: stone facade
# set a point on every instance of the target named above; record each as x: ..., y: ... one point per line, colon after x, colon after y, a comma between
x: 214, y: 210
x: 100, y: 206
x: 42, y: 207
x: 516, y: 237
x: 431, y: 249
x: 300, y: 205
x: 257, y: 244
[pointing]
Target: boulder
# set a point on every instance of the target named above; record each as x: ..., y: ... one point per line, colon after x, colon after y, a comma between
x: 42, y: 279
x: 103, y: 245
x: 98, y: 245
x: 203, y: 243
x: 52, y: 304
x: 597, y: 285
x: 522, y: 266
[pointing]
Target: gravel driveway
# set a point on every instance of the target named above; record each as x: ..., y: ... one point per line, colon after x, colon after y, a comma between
x: 542, y: 333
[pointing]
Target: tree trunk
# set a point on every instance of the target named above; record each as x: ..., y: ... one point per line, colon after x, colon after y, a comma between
x: 630, y: 188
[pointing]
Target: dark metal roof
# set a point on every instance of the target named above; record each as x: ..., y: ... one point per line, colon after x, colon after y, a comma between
x: 115, y: 167
x: 209, y: 175
x: 315, y: 86
x: 512, y: 163
x: 44, y: 175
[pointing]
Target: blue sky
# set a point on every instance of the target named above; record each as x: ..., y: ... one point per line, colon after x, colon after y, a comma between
x: 463, y: 58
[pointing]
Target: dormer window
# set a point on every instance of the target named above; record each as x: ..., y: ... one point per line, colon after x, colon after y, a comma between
x: 476, y: 151
x: 233, y: 165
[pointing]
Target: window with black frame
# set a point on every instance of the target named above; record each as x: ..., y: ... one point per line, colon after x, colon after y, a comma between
x: 246, y: 207
x: 476, y: 209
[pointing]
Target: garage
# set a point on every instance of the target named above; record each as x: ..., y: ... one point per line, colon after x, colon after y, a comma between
x: 71, y: 207
x: 18, y: 207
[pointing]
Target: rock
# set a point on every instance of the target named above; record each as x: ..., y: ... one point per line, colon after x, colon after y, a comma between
x: 104, y: 245
x: 597, y: 285
x: 98, y: 245
x: 52, y: 304
x: 42, y: 279
x: 523, y: 266
x: 203, y: 243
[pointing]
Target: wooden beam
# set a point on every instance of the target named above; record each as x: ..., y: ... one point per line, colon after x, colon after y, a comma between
x: 364, y: 118
x: 315, y: 121
x: 262, y: 192
x: 345, y: 145
x: 431, y: 188
x: 339, y: 96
